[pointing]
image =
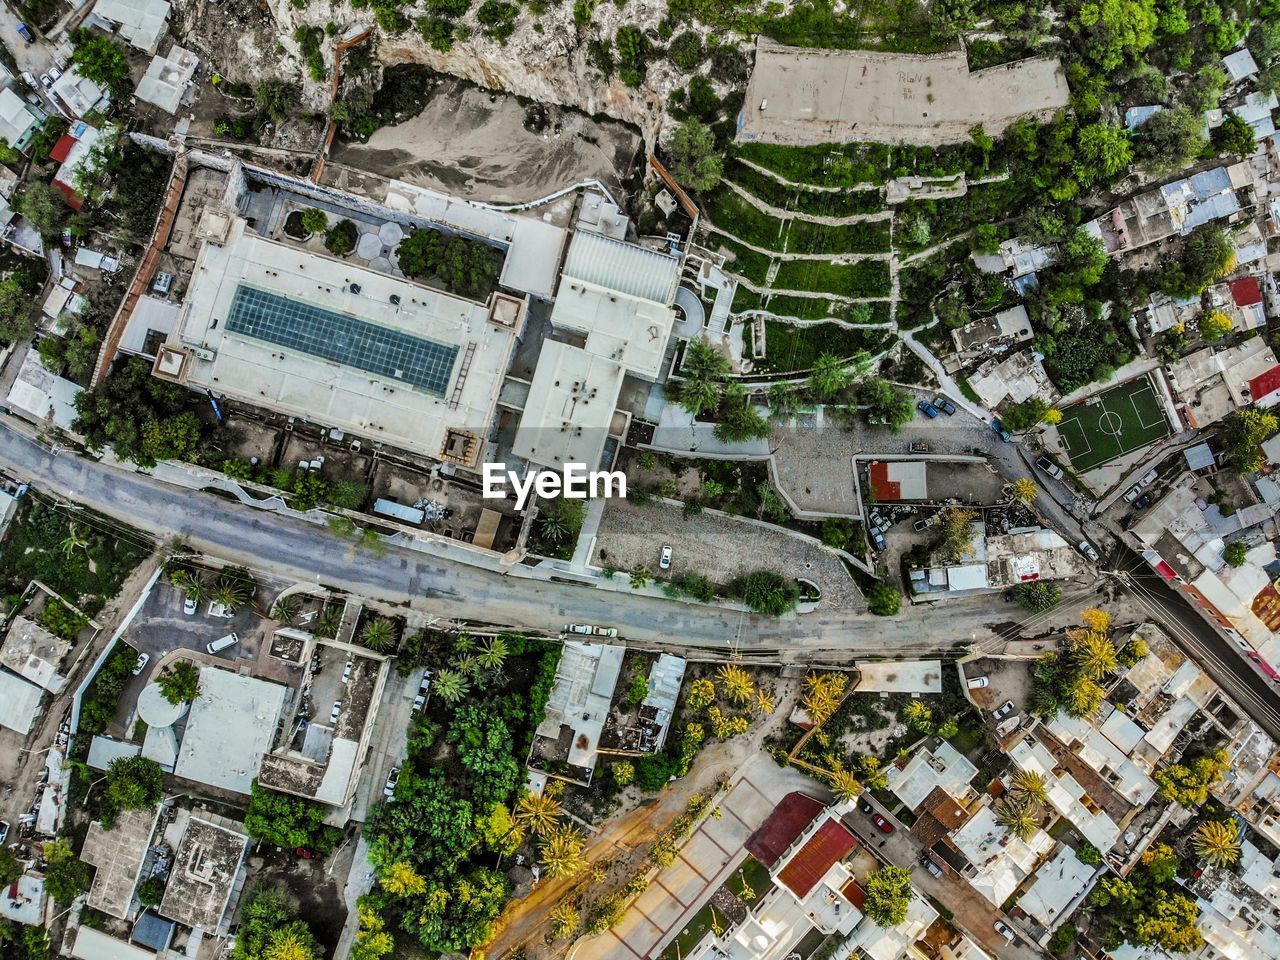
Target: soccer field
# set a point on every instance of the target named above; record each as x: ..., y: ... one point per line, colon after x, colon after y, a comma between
x: 1111, y: 424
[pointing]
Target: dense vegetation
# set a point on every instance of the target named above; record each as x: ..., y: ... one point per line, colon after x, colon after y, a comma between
x: 460, y: 265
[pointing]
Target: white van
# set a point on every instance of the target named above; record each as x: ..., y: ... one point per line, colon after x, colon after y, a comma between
x: 230, y: 640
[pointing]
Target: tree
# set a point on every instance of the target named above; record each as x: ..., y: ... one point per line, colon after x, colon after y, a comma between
x: 287, y: 610
x: 1021, y: 417
x: 151, y: 891
x: 134, y: 783
x: 640, y: 577
x: 1214, y: 325
x: 738, y: 685
x: 1236, y: 553
x: 340, y: 239
x: 1170, y: 140
x: 702, y: 693
x: 451, y: 685
x: 43, y: 206
x: 739, y: 417
x: 1092, y: 652
x: 1081, y: 696
x: 561, y: 519
x: 918, y: 716
x: 1024, y: 489
x: 957, y: 532
x: 67, y: 876
x: 883, y: 599
x: 1234, y: 136
x: 1189, y: 783
x: 10, y: 866
x: 539, y: 812
x: 1113, y: 29
x: 493, y: 654
x: 466, y: 267
x: 1029, y: 785
x: 269, y: 931
x: 230, y: 592
x: 1242, y: 438
x: 823, y: 693
x: 831, y: 374
x: 1209, y: 253
x: 767, y: 592
x: 140, y: 417
x: 1217, y: 842
x: 401, y: 880
x: 287, y: 821
x: 459, y: 913
x: 102, y: 60
x: 1018, y: 817
x: 624, y: 772
x: 314, y: 220
x: 1103, y: 152
x: 561, y: 851
x: 888, y: 896
x: 844, y: 784
x: 379, y: 634
x: 886, y: 404
x: 180, y: 683
x: 565, y: 919
x: 695, y: 161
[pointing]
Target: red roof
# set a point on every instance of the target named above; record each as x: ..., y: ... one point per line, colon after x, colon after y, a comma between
x: 854, y: 894
x: 1246, y: 291
x: 62, y: 149
x: 73, y: 199
x: 881, y: 485
x: 789, y: 819
x: 1267, y: 383
x: 828, y: 846
x: 1166, y: 571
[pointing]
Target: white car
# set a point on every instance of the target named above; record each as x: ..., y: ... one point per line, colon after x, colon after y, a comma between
x: 143, y: 660
x: 389, y: 788
x: 605, y: 631
x: 189, y: 607
x: 1002, y: 928
x: 1085, y: 547
x: 664, y: 561
x: 976, y: 683
x: 1148, y: 478
x: 585, y: 629
x: 1003, y: 710
x: 346, y: 672
x: 1132, y: 495
x: 337, y: 709
x: 419, y: 702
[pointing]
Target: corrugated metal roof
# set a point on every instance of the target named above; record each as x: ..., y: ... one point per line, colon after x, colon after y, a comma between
x: 624, y: 267
x: 829, y: 844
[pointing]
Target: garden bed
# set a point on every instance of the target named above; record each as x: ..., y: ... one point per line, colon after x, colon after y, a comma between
x: 866, y: 278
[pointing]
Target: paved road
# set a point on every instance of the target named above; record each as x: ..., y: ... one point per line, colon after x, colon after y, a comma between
x: 304, y: 552
x: 34, y: 58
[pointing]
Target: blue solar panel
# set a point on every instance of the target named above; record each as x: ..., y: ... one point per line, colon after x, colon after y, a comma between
x: 342, y: 338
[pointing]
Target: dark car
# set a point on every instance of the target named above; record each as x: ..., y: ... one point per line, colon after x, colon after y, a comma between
x: 882, y: 824
x: 26, y: 33
x: 945, y: 405
x: 865, y: 805
x: 998, y: 427
x: 1003, y: 710
x: 1143, y: 502
x: 927, y: 408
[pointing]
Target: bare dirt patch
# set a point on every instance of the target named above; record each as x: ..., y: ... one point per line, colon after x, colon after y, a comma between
x: 488, y: 146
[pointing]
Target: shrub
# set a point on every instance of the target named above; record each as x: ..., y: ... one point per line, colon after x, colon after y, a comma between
x: 314, y: 221
x: 341, y: 238
x: 884, y: 600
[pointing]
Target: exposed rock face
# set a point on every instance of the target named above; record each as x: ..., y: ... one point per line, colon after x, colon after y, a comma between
x: 243, y: 40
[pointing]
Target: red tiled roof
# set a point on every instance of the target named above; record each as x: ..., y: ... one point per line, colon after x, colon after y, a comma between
x: 62, y: 148
x: 73, y: 199
x: 828, y: 846
x: 1246, y: 291
x: 1267, y: 383
x: 1166, y: 571
x: 854, y: 893
x: 884, y: 488
x: 789, y: 819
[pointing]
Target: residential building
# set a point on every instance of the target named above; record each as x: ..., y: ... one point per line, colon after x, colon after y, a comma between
x: 577, y: 710
x: 40, y: 395
x: 19, y: 702
x: 1017, y: 378
x: 1012, y: 325
x: 230, y: 727
x: 1209, y: 384
x: 1174, y: 209
x: 118, y: 855
x: 72, y: 151
x: 24, y: 901
x: 207, y: 871
x: 35, y: 654
x: 647, y: 729
x: 168, y: 80
x: 19, y: 120
x: 80, y: 95
x: 998, y: 562
x: 140, y: 22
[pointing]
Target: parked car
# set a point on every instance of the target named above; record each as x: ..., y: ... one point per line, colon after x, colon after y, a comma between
x: 425, y: 686
x: 4, y: 831
x: 46, y: 81
x: 878, y: 540
x: 230, y: 640
x: 865, y: 805
x: 1148, y: 478
x: 1049, y: 467
x: 977, y: 683
x: 664, y: 561
x: 605, y: 631
x: 346, y: 671
x: 1004, y: 434
x: 580, y: 628
x: 337, y: 709
x: 932, y: 867
x: 1002, y: 928
x: 1085, y: 547
x: 55, y: 72
x: 26, y: 33
x: 920, y: 524
x: 1144, y: 501
x: 419, y: 702
x: 1003, y: 710
x: 143, y: 660
x: 1132, y: 494
x: 306, y: 854
x: 882, y: 824
x: 389, y: 788
x: 928, y: 409
x: 189, y: 607
x: 945, y: 405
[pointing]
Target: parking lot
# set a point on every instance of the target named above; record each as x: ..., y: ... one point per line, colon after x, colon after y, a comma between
x: 1007, y: 680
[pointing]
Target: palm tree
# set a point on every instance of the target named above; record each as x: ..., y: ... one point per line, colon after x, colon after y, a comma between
x: 539, y: 812
x: 918, y: 716
x: 1093, y: 651
x: 287, y: 609
x: 196, y: 588
x: 330, y: 620
x: 468, y: 665
x: 561, y: 852
x: 565, y: 919
x: 451, y: 685
x: 1218, y: 842
x: 77, y: 538
x: 738, y: 685
x: 231, y: 592
x: 464, y: 644
x: 1029, y: 785
x: 379, y: 635
x: 764, y: 702
x: 844, y: 784
x: 823, y: 695
x: 1018, y: 817
x: 493, y: 654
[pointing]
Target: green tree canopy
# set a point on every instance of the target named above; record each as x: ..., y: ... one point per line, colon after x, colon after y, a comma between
x: 134, y: 783
x: 287, y: 821
x: 180, y: 683
x: 1245, y: 431
x: 1112, y: 30
x: 695, y: 161
x: 101, y: 60
x: 888, y: 896
x: 270, y: 931
x: 141, y: 418
x: 1170, y: 140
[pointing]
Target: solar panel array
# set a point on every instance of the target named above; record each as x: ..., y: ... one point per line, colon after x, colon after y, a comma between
x: 342, y: 338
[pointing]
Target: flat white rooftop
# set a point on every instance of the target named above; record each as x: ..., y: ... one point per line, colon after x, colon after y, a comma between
x: 571, y: 402
x: 628, y: 330
x: 314, y: 337
x: 231, y: 725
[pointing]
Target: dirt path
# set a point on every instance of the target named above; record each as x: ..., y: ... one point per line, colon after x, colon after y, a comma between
x: 623, y: 841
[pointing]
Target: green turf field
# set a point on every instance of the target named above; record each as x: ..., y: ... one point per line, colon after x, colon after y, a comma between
x: 1111, y: 424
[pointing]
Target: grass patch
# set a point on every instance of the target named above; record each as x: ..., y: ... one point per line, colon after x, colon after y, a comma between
x: 743, y: 260
x: 846, y: 164
x: 819, y: 308
x: 790, y: 348
x: 738, y: 216
x: 828, y: 203
x: 866, y: 278
x: 744, y: 299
